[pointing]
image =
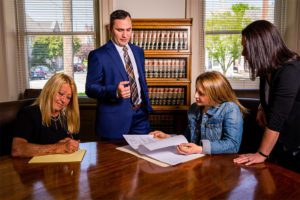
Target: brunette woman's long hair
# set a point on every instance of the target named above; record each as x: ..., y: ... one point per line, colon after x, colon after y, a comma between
x: 264, y: 48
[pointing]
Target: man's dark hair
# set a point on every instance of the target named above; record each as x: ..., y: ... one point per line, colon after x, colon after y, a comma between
x: 118, y: 14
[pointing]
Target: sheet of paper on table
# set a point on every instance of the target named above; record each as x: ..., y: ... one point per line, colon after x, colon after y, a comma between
x: 59, y: 158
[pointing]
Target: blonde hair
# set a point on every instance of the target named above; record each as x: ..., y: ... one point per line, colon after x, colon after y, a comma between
x: 69, y: 114
x: 218, y: 89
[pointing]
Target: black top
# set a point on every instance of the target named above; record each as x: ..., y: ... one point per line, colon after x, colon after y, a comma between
x: 29, y: 126
x: 283, y: 108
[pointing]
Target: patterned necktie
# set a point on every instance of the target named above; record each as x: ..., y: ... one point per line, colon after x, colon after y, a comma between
x: 129, y: 69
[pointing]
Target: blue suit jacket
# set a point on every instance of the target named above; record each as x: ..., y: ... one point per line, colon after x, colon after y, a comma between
x: 105, y: 72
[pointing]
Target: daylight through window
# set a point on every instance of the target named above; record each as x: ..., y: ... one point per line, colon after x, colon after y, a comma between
x: 224, y: 21
x: 57, y: 36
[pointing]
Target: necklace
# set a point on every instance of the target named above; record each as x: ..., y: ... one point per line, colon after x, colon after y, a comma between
x: 55, y: 119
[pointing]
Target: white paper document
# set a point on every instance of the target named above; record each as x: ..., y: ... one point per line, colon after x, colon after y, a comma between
x: 163, y: 150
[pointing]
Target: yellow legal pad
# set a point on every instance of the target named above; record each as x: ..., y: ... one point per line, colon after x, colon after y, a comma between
x: 59, y: 158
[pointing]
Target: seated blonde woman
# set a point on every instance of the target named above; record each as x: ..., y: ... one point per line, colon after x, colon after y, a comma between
x: 46, y: 127
x: 215, y: 120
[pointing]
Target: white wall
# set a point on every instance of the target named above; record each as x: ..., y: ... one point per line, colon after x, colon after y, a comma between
x: 152, y: 8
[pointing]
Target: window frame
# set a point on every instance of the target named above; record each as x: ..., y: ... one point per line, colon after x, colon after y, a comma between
x: 22, y: 34
x: 244, y: 83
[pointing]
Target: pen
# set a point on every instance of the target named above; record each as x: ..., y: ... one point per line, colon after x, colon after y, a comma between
x: 70, y: 135
x: 186, y: 147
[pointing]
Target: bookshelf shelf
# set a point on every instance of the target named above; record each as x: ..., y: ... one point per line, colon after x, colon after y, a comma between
x: 166, y: 108
x: 167, y: 46
x: 169, y: 81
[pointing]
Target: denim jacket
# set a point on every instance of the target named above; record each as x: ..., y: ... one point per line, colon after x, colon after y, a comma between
x: 221, y: 128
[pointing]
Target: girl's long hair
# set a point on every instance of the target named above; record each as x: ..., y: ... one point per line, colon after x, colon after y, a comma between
x: 218, y: 89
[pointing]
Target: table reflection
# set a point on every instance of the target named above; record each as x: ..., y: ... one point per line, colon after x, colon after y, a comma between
x: 55, y: 179
x: 106, y: 173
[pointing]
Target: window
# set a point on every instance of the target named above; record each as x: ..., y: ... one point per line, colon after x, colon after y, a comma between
x: 224, y: 21
x: 55, y: 36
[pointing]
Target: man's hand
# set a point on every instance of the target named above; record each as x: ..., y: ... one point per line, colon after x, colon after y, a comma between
x: 124, y: 90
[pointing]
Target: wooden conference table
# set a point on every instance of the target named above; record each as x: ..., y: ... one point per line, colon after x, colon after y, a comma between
x: 106, y: 173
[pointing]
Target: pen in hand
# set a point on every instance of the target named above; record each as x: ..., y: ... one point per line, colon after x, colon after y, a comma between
x: 70, y: 135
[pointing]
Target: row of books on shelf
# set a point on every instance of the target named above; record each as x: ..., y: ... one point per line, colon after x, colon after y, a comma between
x: 165, y: 68
x: 160, y: 39
x: 166, y: 96
x: 162, y: 122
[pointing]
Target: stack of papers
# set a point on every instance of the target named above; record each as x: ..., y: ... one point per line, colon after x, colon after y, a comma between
x: 161, y: 150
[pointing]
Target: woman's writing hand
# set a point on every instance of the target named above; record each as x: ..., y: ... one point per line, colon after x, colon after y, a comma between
x: 67, y: 145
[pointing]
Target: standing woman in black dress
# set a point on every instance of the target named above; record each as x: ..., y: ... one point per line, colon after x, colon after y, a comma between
x: 279, y: 112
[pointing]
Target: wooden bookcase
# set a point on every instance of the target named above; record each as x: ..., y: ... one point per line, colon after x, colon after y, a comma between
x: 167, y: 46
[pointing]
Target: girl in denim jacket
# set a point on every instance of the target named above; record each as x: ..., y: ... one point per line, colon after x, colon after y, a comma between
x: 215, y: 120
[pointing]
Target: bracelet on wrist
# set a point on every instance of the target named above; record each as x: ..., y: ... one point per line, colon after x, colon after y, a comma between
x: 264, y: 155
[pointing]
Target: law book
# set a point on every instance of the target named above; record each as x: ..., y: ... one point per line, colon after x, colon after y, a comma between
x: 154, y: 35
x: 145, y: 41
x: 147, y: 67
x: 149, y: 40
x: 182, y: 71
x: 176, y: 43
x: 163, y: 66
x: 174, y: 96
x: 158, y: 40
x: 136, y: 37
x: 185, y: 40
x: 162, y: 150
x: 132, y: 37
x: 141, y: 39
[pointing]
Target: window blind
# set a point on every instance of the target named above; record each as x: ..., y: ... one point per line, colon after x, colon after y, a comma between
x: 55, y: 36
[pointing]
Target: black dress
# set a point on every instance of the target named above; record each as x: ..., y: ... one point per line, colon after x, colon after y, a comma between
x: 283, y: 113
x: 29, y: 126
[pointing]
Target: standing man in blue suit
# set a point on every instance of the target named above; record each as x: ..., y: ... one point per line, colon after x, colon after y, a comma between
x: 122, y: 94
